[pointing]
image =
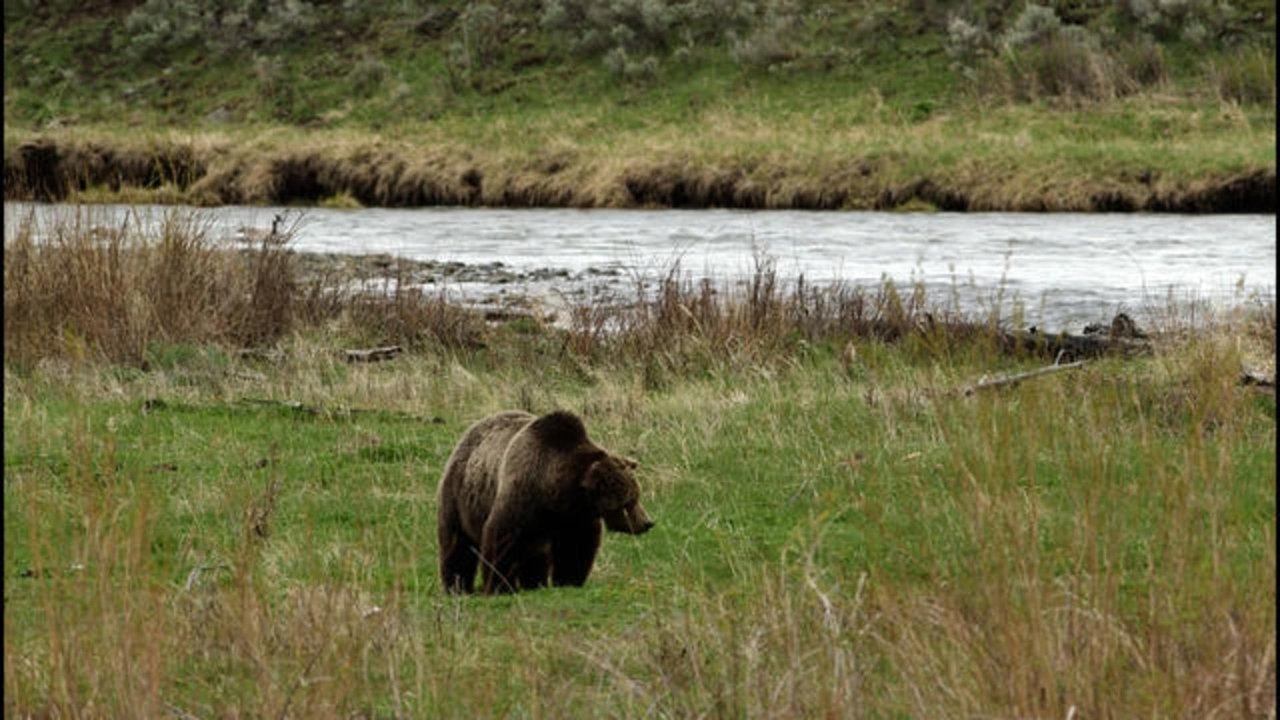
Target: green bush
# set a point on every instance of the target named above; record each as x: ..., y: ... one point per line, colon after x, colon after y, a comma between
x: 479, y: 33
x: 1143, y: 62
x: 1249, y: 76
x: 770, y: 42
x: 633, y: 37
x: 966, y: 42
x: 1042, y: 57
x: 220, y: 26
x: 368, y: 74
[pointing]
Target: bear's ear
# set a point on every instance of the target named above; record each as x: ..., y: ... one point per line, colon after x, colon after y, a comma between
x: 587, y: 461
x: 559, y: 430
x: 631, y: 463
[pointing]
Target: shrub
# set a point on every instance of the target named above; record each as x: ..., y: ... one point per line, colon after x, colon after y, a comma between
x: 480, y: 29
x: 619, y: 62
x: 221, y: 26
x: 1168, y: 19
x: 633, y: 36
x: 1043, y: 57
x: 368, y: 74
x: 1036, y: 25
x: 1143, y: 62
x: 1063, y: 66
x: 277, y: 85
x: 481, y: 26
x: 966, y: 42
x: 770, y: 42
x: 1247, y: 76
x: 1200, y: 22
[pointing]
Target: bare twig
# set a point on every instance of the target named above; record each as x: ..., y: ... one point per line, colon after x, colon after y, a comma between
x: 377, y: 354
x: 1019, y: 377
x: 340, y: 411
x: 1250, y: 376
x: 194, y: 575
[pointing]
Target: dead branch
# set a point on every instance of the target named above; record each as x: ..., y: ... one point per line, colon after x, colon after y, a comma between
x: 1019, y: 377
x: 1249, y: 376
x: 374, y: 354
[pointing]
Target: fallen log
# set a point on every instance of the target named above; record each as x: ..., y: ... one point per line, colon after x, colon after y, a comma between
x: 1121, y: 337
x: 1070, y: 347
x: 1015, y: 378
x: 374, y: 354
x: 264, y: 354
x: 340, y: 411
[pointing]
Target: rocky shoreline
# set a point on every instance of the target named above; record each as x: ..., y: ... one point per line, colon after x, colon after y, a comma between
x: 384, y: 266
x: 499, y: 291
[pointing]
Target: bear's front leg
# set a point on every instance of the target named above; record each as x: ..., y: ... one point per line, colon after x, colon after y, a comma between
x: 534, y: 567
x: 573, y: 552
x: 512, y: 555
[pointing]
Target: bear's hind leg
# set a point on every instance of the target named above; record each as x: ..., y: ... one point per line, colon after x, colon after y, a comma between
x: 573, y: 552
x: 500, y: 557
x: 458, y: 560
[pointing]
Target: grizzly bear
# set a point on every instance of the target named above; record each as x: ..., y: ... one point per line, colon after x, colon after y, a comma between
x: 523, y: 497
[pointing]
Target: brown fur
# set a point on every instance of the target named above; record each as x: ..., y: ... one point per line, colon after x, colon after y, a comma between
x: 525, y: 497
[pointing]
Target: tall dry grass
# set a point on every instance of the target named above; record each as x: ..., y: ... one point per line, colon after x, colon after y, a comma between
x: 679, y: 321
x: 80, y: 290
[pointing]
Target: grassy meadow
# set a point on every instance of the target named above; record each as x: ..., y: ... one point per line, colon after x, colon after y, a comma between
x: 195, y: 532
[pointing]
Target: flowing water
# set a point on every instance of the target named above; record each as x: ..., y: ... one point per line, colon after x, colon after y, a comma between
x: 1065, y: 269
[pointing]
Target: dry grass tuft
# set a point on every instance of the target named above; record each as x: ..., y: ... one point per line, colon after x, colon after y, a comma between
x: 83, y: 291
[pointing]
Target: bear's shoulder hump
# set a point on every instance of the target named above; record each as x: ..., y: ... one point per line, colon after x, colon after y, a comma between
x: 561, y: 430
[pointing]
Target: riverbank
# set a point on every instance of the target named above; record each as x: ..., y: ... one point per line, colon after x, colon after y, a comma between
x: 1007, y: 159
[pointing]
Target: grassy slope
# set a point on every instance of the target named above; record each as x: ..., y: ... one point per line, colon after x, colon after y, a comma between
x: 897, y: 109
x: 830, y: 541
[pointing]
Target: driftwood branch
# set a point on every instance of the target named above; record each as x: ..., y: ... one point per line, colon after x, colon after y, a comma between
x: 294, y: 405
x: 1073, y: 347
x: 1256, y: 378
x: 194, y: 575
x: 341, y: 411
x: 264, y: 354
x: 1121, y: 336
x: 374, y: 354
x: 1019, y: 377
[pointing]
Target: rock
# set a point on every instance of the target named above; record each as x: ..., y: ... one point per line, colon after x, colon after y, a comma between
x: 219, y: 116
x: 435, y: 22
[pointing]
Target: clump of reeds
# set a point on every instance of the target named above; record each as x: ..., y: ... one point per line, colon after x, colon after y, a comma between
x: 681, y: 319
x: 80, y: 290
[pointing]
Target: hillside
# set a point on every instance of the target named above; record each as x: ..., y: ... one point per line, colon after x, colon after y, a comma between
x: 886, y: 103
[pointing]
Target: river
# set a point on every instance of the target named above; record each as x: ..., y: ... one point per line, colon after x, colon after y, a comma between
x: 1066, y: 269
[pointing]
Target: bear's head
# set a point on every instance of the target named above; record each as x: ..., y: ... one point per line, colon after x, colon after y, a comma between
x: 611, y: 484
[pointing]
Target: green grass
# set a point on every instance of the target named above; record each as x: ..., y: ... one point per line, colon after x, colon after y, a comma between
x: 852, y: 541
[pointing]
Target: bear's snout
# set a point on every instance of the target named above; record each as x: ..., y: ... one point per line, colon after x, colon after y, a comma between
x: 632, y: 520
